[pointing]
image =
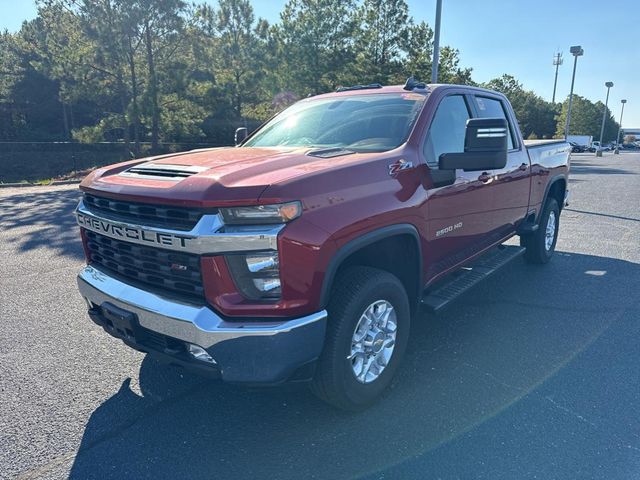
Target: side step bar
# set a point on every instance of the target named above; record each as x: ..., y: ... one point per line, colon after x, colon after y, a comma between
x: 469, y: 276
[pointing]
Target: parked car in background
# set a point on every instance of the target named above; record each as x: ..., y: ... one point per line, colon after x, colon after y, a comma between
x: 595, y: 146
x: 575, y: 148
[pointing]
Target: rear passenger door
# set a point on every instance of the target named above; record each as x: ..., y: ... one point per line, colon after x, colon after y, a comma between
x: 510, y: 186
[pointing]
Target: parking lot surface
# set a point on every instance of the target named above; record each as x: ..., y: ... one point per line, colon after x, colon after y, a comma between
x: 535, y: 373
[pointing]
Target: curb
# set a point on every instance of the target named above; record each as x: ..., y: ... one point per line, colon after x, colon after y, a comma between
x: 52, y: 184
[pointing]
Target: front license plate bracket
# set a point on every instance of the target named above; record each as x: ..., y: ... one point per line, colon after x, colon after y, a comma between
x: 121, y: 322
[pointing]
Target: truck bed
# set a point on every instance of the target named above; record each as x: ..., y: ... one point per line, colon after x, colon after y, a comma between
x: 548, y: 152
x: 538, y: 143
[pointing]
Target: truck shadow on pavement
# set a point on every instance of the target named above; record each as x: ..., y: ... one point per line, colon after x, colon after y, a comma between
x: 42, y: 219
x: 499, y: 344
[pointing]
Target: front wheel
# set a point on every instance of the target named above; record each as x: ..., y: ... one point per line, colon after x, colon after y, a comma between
x: 367, y: 334
x: 541, y: 244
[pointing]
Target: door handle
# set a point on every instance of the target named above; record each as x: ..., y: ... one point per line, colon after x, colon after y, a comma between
x: 523, y: 167
x: 485, y: 177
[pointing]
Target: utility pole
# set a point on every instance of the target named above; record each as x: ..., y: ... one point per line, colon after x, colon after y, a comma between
x: 576, y: 51
x: 436, y: 43
x: 617, y: 150
x: 604, y: 117
x: 557, y: 61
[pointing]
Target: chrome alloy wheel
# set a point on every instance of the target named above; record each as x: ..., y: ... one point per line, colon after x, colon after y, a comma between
x: 373, y: 341
x: 550, y: 233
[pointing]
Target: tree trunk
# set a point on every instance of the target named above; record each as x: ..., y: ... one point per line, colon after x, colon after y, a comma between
x: 65, y: 122
x: 72, y: 120
x: 134, y: 102
x: 153, y: 88
x: 238, y: 95
x: 123, y: 121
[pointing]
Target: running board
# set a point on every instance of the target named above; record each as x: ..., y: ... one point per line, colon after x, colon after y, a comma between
x: 470, y: 276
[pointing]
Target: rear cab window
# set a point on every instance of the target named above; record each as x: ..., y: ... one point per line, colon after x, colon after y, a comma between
x: 492, y: 108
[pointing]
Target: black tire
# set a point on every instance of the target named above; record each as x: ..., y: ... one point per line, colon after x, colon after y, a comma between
x: 535, y: 244
x: 354, y: 290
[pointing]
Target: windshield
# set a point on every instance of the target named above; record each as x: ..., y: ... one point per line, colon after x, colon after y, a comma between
x: 370, y: 123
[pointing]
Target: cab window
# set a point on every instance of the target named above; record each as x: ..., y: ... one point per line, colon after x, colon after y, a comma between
x: 447, y: 130
x: 492, y: 108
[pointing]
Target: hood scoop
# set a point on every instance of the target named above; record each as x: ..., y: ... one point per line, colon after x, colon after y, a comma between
x: 330, y: 152
x: 162, y: 171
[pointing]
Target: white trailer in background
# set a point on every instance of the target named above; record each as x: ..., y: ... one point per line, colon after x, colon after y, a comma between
x: 583, y: 140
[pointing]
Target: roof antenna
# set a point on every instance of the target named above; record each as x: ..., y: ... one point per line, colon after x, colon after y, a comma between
x: 413, y: 83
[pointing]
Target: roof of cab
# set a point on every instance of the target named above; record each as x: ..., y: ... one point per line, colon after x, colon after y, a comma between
x: 429, y: 88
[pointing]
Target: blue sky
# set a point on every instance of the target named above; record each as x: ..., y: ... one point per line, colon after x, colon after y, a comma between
x: 517, y: 37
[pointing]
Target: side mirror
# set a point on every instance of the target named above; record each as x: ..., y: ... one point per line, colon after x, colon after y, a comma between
x: 485, y: 146
x: 241, y: 134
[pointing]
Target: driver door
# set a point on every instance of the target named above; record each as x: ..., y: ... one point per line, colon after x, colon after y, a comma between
x: 459, y: 222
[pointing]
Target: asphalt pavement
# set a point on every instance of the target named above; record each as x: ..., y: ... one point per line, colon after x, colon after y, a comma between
x: 535, y: 373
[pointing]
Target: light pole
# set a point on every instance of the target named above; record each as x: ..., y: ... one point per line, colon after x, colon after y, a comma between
x: 576, y: 51
x: 617, y: 150
x: 604, y: 117
x: 557, y: 61
x: 436, y: 44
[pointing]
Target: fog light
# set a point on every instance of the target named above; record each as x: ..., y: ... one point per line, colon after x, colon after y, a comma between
x: 199, y: 353
x: 259, y: 263
x: 257, y: 275
x: 266, y: 284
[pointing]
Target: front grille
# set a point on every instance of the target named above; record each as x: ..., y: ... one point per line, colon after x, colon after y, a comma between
x: 176, y: 218
x: 163, y: 270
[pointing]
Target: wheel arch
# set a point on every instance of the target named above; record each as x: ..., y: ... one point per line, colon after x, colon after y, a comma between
x: 556, y: 187
x: 365, y: 249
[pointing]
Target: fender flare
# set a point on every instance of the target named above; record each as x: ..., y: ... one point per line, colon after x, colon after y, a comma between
x: 547, y: 189
x: 362, y: 241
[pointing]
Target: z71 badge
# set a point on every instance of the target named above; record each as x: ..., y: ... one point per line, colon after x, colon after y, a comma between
x: 395, y: 167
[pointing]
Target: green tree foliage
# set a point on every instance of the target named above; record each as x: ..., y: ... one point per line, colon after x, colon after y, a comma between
x: 419, y: 51
x: 174, y: 71
x: 450, y: 71
x: 239, y: 48
x: 315, y: 43
x: 382, y: 33
x: 586, y: 119
x: 537, y: 117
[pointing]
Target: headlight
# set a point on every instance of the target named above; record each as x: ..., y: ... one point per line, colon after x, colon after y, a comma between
x: 261, y: 214
x: 257, y: 275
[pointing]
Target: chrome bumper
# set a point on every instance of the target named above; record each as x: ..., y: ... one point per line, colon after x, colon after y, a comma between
x: 194, y: 324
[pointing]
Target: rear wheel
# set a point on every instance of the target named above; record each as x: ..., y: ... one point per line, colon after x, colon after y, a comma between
x: 541, y: 244
x: 367, y: 334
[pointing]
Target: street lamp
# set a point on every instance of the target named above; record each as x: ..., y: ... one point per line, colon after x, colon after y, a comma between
x: 617, y: 150
x: 576, y: 51
x: 436, y: 44
x: 557, y: 61
x: 604, y: 117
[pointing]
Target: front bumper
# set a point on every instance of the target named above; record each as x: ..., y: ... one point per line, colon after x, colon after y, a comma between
x: 259, y: 351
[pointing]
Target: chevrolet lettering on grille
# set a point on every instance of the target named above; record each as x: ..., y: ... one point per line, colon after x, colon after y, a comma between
x: 131, y: 233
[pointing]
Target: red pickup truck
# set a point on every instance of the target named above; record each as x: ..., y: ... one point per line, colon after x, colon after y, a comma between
x: 304, y: 252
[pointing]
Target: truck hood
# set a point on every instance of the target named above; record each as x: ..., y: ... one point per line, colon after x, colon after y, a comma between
x: 210, y: 177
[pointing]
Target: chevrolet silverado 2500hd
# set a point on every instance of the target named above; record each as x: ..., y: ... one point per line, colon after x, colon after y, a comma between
x: 304, y: 252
